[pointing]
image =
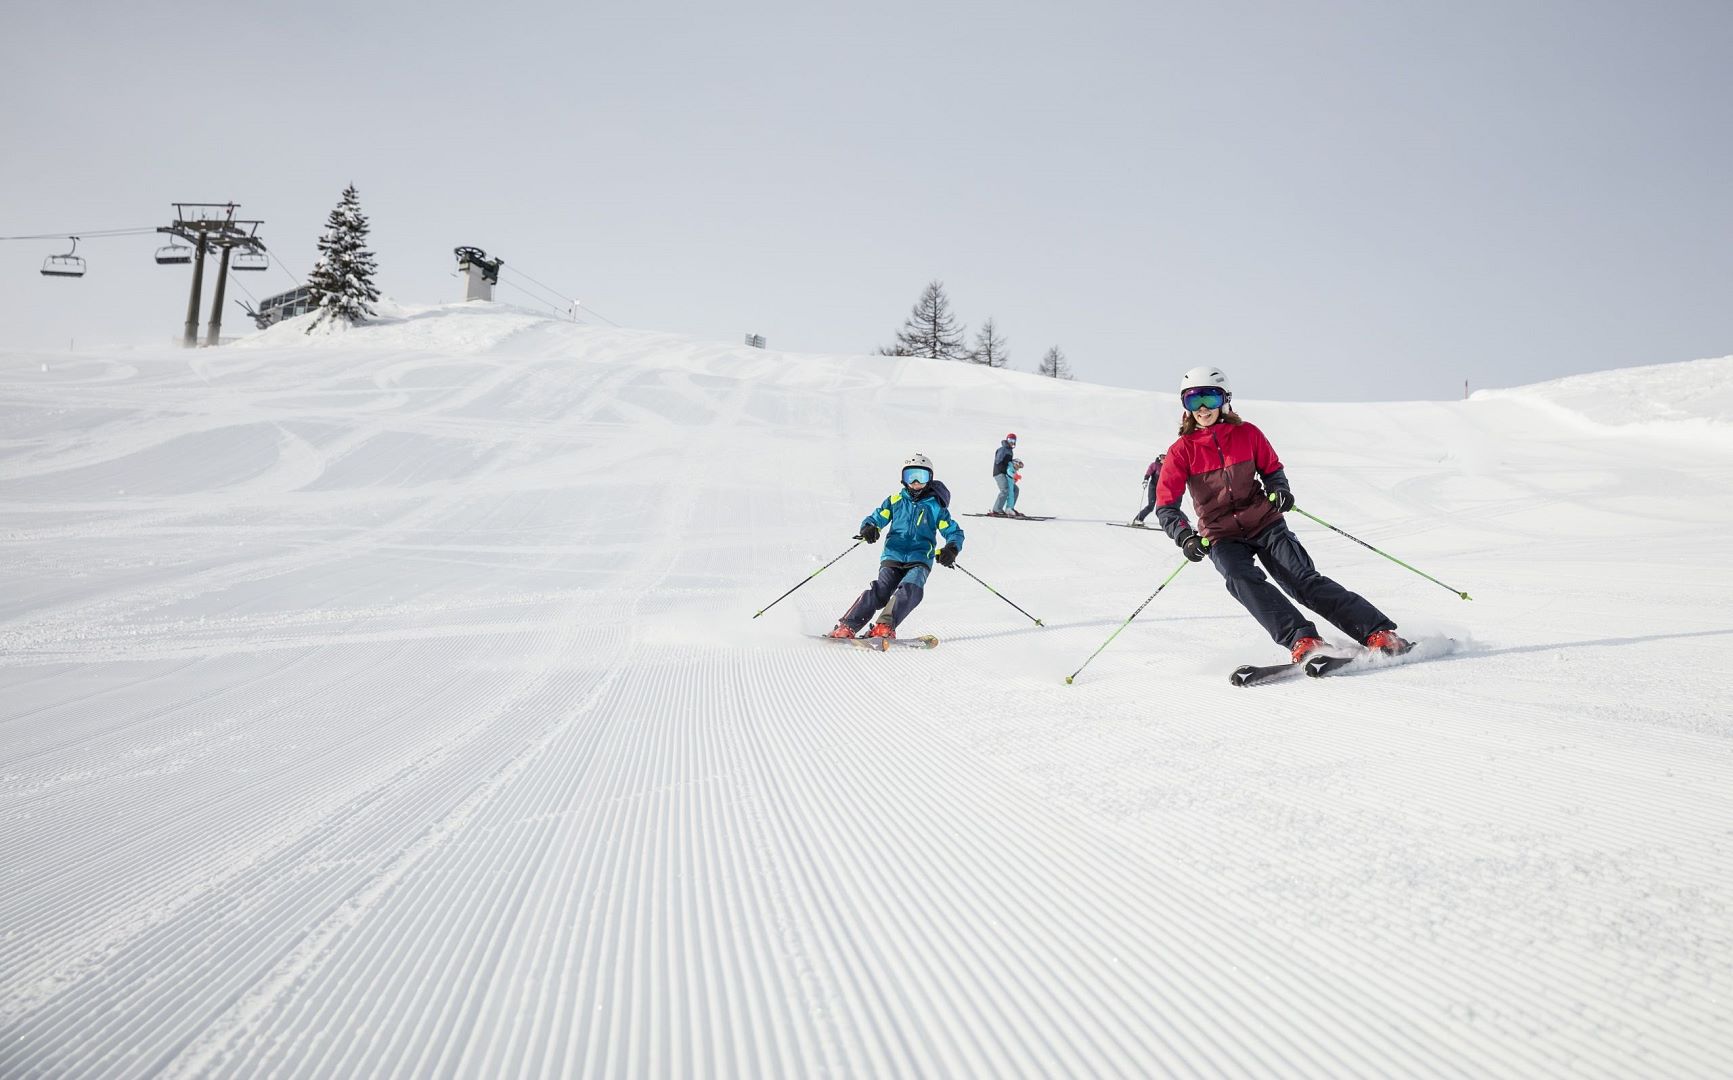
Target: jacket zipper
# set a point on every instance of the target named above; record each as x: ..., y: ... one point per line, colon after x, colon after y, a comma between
x: 1227, y: 478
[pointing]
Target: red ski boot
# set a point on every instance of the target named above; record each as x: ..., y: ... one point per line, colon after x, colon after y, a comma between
x: 1387, y: 642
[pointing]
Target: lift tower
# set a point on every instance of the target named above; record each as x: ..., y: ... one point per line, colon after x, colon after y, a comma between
x: 206, y: 226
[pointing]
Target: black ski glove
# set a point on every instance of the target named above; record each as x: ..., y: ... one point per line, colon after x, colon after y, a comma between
x: 870, y: 533
x: 948, y: 555
x: 1194, y: 546
x: 1282, y: 500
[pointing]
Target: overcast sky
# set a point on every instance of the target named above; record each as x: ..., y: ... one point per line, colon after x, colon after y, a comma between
x: 1331, y: 201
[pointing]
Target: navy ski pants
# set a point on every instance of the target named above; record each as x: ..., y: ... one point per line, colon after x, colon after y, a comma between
x: 1280, y: 552
x: 898, y: 590
x: 1148, y: 505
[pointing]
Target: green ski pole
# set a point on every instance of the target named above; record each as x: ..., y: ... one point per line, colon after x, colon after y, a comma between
x: 1127, y: 622
x: 1386, y: 554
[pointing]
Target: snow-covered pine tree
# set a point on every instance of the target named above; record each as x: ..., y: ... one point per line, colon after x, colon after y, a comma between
x: 930, y: 330
x: 1054, y: 365
x: 342, y: 279
x: 990, y: 349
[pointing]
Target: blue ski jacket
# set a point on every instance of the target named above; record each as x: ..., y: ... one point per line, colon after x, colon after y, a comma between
x: 909, y: 522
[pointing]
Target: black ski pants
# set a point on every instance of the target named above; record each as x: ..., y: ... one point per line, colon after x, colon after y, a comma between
x: 1280, y: 552
x: 898, y: 590
x: 1148, y: 505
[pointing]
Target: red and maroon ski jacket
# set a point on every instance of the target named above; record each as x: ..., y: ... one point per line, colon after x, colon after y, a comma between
x: 1221, y: 466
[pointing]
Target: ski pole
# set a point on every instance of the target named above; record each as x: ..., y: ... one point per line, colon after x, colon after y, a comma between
x: 996, y: 592
x: 1386, y: 554
x: 1183, y: 564
x: 857, y: 543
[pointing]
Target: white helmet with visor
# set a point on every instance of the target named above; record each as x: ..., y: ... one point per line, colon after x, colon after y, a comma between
x: 917, y: 470
x: 1204, y: 386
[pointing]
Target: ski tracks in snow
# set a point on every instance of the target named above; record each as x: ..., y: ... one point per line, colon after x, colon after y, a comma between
x: 428, y: 735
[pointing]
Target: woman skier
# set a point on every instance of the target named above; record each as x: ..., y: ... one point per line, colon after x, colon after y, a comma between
x: 909, y: 518
x: 1240, y: 492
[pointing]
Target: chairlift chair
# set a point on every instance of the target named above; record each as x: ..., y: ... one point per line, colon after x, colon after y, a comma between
x: 249, y: 260
x: 67, y: 265
x: 174, y: 254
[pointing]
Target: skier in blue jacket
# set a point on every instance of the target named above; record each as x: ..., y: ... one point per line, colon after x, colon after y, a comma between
x: 909, y: 520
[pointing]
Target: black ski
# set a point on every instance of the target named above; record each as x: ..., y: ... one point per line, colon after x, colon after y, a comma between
x: 1129, y: 525
x: 1252, y: 674
x: 1319, y: 666
x: 1324, y: 663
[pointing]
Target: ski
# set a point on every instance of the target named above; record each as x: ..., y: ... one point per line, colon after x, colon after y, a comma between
x: 1319, y: 666
x: 1252, y: 674
x: 1324, y: 663
x: 922, y: 641
x: 1129, y: 525
x: 1011, y: 517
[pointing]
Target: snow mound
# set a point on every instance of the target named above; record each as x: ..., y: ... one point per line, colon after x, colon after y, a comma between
x: 448, y: 329
x: 1697, y: 395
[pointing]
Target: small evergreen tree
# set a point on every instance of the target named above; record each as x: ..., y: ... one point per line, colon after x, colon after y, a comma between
x: 342, y: 279
x: 930, y: 330
x: 990, y: 349
x: 1054, y: 365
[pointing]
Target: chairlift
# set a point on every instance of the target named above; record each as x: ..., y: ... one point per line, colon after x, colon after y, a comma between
x: 174, y: 254
x: 249, y: 260
x: 67, y: 265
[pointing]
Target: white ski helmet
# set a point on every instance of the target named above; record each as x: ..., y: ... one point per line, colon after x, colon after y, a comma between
x: 920, y: 461
x: 1199, y: 377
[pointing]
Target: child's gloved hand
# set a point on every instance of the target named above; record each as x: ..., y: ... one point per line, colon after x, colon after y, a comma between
x: 1194, y: 546
x: 1282, y: 500
x: 948, y: 555
x: 870, y: 533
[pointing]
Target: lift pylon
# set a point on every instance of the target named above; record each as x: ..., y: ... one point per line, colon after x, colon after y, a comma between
x: 206, y: 226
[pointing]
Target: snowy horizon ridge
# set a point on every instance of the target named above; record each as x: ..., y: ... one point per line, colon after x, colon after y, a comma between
x: 390, y: 702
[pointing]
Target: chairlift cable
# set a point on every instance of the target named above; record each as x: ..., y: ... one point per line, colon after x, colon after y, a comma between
x: 554, y: 293
x: 572, y: 300
x: 236, y: 282
x: 84, y: 235
x: 536, y: 298
x: 556, y: 301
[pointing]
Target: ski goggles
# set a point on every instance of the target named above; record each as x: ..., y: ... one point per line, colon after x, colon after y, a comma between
x: 914, y: 475
x: 1202, y: 398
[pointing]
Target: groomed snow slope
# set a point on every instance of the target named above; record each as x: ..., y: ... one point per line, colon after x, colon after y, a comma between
x: 391, y: 704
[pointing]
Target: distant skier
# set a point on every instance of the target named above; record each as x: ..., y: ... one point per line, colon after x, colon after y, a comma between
x: 1220, y: 459
x: 909, y: 519
x: 1005, y: 466
x: 1150, y: 475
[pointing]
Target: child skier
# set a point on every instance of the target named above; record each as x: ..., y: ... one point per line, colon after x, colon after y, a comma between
x: 909, y: 519
x: 1150, y: 475
x: 1220, y: 459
